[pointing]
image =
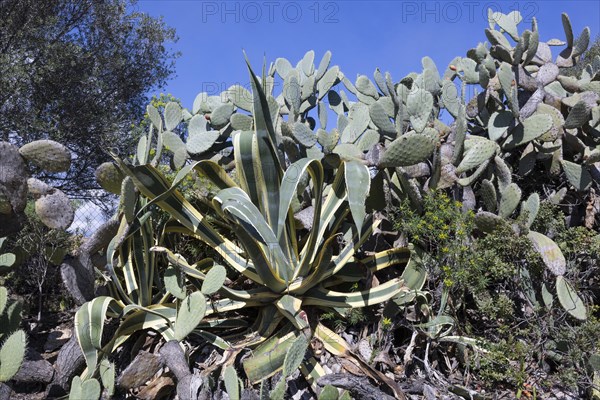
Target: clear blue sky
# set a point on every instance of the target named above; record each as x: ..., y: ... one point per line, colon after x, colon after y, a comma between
x: 362, y: 35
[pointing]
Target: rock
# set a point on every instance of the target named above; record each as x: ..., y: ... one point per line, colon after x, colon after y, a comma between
x: 359, y: 387
x: 56, y: 339
x: 77, y: 280
x: 35, y: 371
x: 249, y: 394
x: 69, y: 362
x: 144, y: 366
x: 159, y: 388
x: 172, y: 355
x: 5, y: 391
x: 429, y: 392
x: 305, y: 217
x: 189, y: 387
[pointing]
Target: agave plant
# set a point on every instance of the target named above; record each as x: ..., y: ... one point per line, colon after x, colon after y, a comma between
x: 293, y: 273
x: 144, y: 293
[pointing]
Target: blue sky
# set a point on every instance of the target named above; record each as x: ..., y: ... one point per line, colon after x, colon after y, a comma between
x: 362, y: 35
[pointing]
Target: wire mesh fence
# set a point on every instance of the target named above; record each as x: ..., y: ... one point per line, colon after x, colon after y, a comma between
x: 92, y: 212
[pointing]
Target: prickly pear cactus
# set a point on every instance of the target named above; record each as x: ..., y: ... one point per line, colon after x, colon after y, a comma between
x: 13, y: 341
x: 52, y: 206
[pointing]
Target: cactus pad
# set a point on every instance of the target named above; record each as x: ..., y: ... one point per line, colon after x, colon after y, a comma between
x: 409, y: 149
x: 550, y: 252
x: 499, y: 123
x: 231, y: 383
x: 240, y: 97
x: 48, y: 155
x: 569, y: 299
x: 38, y: 188
x: 214, y: 279
x: 89, y: 389
x: 488, y: 194
x: 509, y: 201
x: 220, y: 116
x: 55, y: 210
x: 173, y: 115
x: 487, y: 222
x: 12, y: 354
x: 109, y: 177
x: 531, y: 129
x: 191, y: 311
x: 578, y: 175
x: 295, y: 355
x: 241, y: 122
x: 303, y: 134
x: 328, y: 140
x: 419, y: 106
x: 480, y: 151
x: 531, y: 206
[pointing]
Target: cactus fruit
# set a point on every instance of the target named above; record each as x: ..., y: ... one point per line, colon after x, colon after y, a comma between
x: 109, y: 177
x: 48, y: 155
x: 55, y: 210
x: 409, y: 149
x: 191, y: 311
